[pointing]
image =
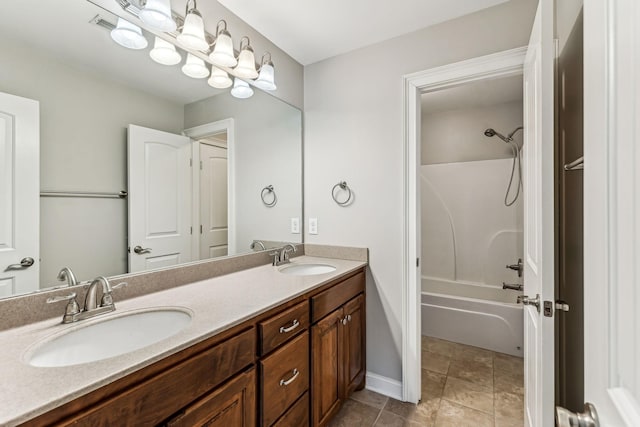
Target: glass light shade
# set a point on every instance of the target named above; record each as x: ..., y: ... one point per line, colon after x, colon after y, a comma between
x: 194, y: 67
x: 219, y: 78
x: 192, y: 35
x: 246, y: 64
x: 223, y: 51
x: 164, y: 53
x: 128, y: 35
x: 241, y: 89
x: 157, y: 15
x: 266, y: 79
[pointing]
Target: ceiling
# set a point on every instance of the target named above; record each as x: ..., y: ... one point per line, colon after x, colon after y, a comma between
x: 311, y: 31
x: 479, y: 94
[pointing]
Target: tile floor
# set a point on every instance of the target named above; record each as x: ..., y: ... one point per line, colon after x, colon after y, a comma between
x: 461, y: 386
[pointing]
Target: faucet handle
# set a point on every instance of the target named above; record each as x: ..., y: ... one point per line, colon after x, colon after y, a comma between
x: 276, y: 257
x: 107, y: 299
x: 72, y: 307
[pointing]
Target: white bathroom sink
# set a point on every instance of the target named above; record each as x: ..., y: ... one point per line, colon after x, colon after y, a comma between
x: 108, y: 338
x: 307, y: 269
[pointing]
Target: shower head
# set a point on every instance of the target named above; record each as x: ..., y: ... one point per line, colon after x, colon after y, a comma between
x: 491, y: 132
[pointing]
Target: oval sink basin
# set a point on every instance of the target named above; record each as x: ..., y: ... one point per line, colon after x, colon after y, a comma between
x: 109, y: 338
x: 307, y: 269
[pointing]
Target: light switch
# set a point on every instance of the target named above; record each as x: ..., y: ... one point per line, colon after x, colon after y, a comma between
x: 295, y: 225
x: 313, y: 225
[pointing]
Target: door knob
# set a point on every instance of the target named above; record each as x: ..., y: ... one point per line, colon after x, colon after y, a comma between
x: 525, y: 300
x: 140, y: 250
x: 588, y: 418
x: 24, y: 263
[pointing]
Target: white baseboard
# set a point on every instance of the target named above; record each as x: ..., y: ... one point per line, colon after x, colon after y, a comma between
x: 383, y: 385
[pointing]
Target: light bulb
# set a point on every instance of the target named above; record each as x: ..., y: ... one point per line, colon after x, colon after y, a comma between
x: 241, y: 89
x: 157, y: 15
x: 128, y: 35
x: 194, y: 67
x: 219, y: 78
x: 164, y: 53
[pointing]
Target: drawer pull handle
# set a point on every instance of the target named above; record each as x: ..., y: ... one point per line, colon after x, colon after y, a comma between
x: 295, y: 324
x: 290, y: 380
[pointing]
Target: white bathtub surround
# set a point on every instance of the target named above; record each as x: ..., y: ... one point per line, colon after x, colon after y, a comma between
x: 468, y: 235
x: 485, y: 323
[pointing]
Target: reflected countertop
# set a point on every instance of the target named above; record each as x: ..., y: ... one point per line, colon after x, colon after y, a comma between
x: 217, y: 305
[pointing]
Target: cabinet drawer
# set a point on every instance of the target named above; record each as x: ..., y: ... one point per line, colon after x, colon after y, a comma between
x: 297, y: 415
x: 284, y: 378
x: 282, y: 327
x: 233, y: 404
x: 152, y: 401
x: 327, y: 301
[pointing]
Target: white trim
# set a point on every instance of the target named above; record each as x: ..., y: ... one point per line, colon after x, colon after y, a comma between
x: 199, y: 132
x: 502, y: 64
x: 384, y: 385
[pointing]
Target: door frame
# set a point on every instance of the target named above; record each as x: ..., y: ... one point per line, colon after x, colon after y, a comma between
x: 200, y: 132
x: 502, y: 64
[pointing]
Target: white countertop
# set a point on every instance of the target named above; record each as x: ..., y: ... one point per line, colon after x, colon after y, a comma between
x: 216, y: 304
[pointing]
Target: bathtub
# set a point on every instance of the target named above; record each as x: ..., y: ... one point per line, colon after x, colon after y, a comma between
x: 478, y: 315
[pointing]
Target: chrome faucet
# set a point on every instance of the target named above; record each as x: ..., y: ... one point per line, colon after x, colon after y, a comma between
x: 258, y: 243
x: 281, y: 256
x: 91, y: 307
x: 67, y: 274
x: 512, y: 286
x: 284, y: 253
x: 516, y: 267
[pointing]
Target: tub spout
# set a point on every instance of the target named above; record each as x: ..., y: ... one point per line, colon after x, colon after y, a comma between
x: 512, y: 286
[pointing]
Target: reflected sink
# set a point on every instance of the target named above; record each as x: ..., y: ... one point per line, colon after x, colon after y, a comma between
x: 111, y: 337
x: 307, y: 269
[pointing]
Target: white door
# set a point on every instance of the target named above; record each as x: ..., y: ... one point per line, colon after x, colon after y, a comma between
x: 19, y: 194
x: 538, y: 154
x: 159, y: 167
x: 612, y: 210
x: 213, y: 201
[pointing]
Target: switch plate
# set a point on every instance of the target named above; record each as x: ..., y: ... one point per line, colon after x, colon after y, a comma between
x: 295, y: 225
x: 313, y: 225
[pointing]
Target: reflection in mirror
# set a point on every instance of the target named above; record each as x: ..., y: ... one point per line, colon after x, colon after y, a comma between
x: 131, y: 154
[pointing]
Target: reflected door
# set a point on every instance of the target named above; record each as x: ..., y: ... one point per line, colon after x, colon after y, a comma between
x: 213, y: 201
x: 159, y: 167
x: 19, y: 195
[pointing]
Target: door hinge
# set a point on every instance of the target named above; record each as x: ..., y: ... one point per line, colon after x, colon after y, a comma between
x: 190, y: 230
x: 190, y: 162
x: 200, y: 228
x: 417, y: 262
x: 200, y: 164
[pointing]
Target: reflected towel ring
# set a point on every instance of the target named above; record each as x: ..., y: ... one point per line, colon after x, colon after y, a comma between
x: 343, y: 185
x: 264, y: 194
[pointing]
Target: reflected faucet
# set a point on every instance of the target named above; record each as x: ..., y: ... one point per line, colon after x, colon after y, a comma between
x: 67, y: 274
x: 258, y: 243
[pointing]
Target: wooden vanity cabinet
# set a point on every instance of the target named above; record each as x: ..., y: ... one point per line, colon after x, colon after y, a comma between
x: 292, y: 366
x: 337, y: 347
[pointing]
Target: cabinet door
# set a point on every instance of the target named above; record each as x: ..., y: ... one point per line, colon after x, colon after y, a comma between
x: 354, y: 345
x: 233, y: 404
x: 327, y: 356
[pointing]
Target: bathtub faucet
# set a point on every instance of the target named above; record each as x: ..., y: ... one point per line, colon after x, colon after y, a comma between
x: 516, y: 267
x: 512, y: 286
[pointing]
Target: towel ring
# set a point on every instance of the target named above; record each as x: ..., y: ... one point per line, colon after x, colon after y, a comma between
x: 343, y: 185
x: 265, y: 193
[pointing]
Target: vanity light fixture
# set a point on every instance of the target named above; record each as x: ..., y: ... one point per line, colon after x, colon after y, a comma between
x: 241, y: 89
x: 219, y: 78
x: 246, y: 67
x: 266, y: 79
x: 128, y: 35
x: 164, y: 53
x: 194, y: 67
x: 157, y: 15
x: 192, y: 34
x: 222, y: 53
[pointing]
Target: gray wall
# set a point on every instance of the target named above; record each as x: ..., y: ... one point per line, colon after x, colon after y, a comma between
x: 83, y: 119
x: 268, y: 151
x: 458, y: 135
x: 353, y: 132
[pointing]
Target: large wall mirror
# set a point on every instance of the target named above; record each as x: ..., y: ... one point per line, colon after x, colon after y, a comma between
x: 139, y: 166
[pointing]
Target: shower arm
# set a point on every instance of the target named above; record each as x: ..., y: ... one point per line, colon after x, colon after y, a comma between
x: 510, y: 136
